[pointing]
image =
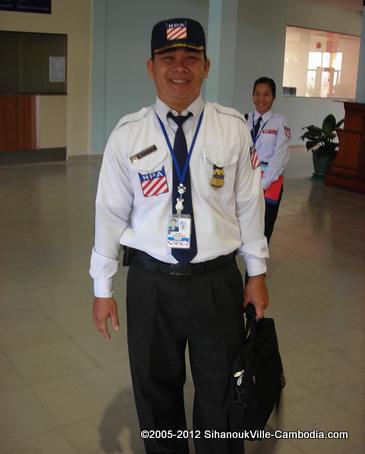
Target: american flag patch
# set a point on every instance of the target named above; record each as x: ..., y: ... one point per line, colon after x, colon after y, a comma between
x: 154, y: 183
x: 176, y: 31
x: 255, y: 161
x: 287, y: 132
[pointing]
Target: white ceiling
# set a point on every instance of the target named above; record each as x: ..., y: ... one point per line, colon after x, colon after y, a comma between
x: 355, y: 5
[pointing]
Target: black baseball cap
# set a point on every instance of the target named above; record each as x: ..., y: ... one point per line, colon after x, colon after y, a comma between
x: 176, y: 33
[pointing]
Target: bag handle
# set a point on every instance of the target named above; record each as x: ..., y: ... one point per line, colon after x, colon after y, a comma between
x: 251, y: 332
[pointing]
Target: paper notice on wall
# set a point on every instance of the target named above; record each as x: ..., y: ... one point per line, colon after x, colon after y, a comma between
x: 57, y: 69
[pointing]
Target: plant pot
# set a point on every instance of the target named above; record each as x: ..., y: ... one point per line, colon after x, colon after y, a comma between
x: 321, y: 163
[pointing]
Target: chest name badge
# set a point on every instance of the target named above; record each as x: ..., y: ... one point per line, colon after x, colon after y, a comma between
x: 270, y: 131
x: 154, y: 183
x: 136, y: 157
x: 217, y: 180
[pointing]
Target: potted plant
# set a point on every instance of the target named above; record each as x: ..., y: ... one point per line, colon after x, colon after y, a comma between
x: 323, y: 144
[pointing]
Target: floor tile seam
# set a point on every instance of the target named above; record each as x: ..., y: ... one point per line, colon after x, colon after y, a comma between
x: 63, y: 427
x: 18, y: 440
x: 53, y: 312
x: 71, y: 374
x: 123, y: 388
x: 356, y: 369
x: 43, y: 407
x: 97, y: 365
x: 316, y: 390
x: 89, y: 293
x: 53, y: 284
x: 343, y: 409
x: 19, y: 388
x: 59, y: 425
x: 32, y: 345
x: 28, y: 288
x: 43, y: 343
x: 320, y: 339
x: 60, y: 377
x: 282, y: 440
x: 61, y: 328
x: 293, y: 400
x: 115, y: 362
x: 60, y: 428
x: 88, y: 354
x: 285, y: 352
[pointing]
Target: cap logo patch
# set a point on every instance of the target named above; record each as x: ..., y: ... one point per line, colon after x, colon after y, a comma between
x: 176, y: 31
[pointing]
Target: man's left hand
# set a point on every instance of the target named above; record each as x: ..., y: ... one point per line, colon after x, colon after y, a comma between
x: 256, y: 293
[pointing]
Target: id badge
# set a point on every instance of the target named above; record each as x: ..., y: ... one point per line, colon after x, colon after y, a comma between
x: 179, y: 231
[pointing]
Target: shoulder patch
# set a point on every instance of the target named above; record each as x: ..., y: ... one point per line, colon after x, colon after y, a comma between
x: 228, y: 111
x: 136, y: 116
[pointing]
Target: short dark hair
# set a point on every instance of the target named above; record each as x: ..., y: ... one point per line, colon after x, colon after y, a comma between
x: 268, y: 81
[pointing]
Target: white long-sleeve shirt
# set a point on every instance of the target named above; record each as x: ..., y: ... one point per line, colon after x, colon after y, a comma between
x: 226, y: 219
x: 272, y: 144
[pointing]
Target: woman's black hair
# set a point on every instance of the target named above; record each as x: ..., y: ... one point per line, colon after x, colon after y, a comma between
x: 268, y: 81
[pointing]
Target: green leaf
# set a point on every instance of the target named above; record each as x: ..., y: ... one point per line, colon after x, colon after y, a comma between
x: 329, y: 125
x: 313, y: 128
x: 311, y: 143
x: 339, y: 123
x: 310, y: 136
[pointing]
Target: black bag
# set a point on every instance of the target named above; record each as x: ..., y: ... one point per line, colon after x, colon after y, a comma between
x: 258, y: 376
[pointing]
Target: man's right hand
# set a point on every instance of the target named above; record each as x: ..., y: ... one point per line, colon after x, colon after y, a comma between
x: 104, y: 308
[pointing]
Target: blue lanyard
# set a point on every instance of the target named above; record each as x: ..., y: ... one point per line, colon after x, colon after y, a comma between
x: 254, y: 138
x: 181, y: 175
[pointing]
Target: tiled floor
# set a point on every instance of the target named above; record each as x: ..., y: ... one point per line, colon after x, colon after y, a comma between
x: 64, y: 389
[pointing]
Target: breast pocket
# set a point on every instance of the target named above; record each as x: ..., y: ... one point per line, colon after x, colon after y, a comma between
x: 150, y: 175
x: 218, y: 172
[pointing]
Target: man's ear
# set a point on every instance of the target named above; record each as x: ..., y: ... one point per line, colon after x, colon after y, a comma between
x: 149, y: 66
x: 206, y: 67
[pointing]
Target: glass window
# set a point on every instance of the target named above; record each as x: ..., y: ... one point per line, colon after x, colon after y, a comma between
x: 320, y: 64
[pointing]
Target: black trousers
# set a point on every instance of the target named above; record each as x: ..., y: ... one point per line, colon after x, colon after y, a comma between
x: 271, y: 213
x: 165, y: 314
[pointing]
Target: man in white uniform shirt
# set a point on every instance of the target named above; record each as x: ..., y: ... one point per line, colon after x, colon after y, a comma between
x: 187, y: 160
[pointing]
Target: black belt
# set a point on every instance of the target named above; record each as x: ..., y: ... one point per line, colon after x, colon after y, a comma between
x: 264, y: 163
x: 151, y: 264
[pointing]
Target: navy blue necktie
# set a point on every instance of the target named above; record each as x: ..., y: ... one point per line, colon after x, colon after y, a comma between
x: 183, y: 256
x: 256, y: 128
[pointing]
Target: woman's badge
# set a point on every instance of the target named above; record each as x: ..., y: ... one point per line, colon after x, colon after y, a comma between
x: 217, y: 180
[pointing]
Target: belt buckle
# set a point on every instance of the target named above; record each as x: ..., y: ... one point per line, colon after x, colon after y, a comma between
x: 175, y: 271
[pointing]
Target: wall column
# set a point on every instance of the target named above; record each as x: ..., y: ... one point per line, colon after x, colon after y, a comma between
x: 360, y: 87
x: 222, y: 45
x: 98, y: 77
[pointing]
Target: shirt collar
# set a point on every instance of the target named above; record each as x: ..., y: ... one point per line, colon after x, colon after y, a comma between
x: 163, y: 109
x: 265, y: 117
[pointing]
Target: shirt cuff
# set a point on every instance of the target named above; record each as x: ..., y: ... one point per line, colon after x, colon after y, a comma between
x: 265, y: 184
x: 103, y: 289
x: 255, y: 266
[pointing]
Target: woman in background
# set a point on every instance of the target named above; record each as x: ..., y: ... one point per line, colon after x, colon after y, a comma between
x: 271, y: 137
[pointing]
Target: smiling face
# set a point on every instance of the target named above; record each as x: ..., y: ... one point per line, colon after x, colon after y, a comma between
x: 178, y: 76
x: 263, y: 98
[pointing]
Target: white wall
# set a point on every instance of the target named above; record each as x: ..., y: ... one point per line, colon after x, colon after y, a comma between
x: 261, y: 47
x: 304, y: 111
x: 74, y: 19
x: 51, y: 121
x: 122, y: 42
x: 120, y: 78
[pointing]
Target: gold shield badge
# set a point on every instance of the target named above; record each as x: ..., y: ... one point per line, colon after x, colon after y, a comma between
x: 217, y: 180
